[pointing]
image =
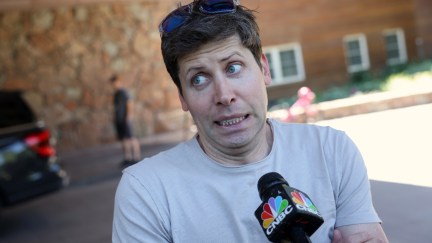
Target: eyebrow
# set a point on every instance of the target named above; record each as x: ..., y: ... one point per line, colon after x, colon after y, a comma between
x: 230, y: 56
x: 224, y: 59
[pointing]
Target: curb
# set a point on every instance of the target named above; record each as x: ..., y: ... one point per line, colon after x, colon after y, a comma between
x: 355, y: 105
x: 374, y: 102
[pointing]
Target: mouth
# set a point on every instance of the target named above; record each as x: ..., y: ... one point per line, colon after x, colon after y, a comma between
x: 232, y: 121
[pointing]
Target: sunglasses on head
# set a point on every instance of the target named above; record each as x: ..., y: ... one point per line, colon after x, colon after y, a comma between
x: 179, y: 16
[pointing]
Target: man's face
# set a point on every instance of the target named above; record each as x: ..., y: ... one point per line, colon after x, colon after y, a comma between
x: 225, y: 91
x: 117, y: 84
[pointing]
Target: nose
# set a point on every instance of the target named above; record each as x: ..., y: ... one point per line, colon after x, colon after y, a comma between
x: 224, y: 92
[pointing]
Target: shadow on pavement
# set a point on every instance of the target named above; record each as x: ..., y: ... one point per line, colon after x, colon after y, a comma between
x: 89, y: 166
x: 404, y: 210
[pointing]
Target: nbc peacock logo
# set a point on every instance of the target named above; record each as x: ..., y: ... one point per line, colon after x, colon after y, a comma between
x: 274, y: 211
x: 303, y: 202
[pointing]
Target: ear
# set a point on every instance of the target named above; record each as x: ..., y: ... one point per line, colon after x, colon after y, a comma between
x: 183, y: 102
x: 266, y: 69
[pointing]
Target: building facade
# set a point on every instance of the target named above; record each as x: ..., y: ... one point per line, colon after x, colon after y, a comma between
x: 326, y: 43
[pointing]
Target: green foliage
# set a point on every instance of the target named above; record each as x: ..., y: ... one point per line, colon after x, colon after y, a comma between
x: 425, y: 66
x: 283, y: 103
x: 334, y: 93
x: 360, y: 77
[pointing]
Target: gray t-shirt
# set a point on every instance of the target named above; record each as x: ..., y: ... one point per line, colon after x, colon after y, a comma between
x: 181, y: 195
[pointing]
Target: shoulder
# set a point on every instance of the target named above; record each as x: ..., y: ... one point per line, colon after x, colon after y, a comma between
x: 164, y: 165
x: 300, y: 126
x: 148, y: 180
x: 305, y: 132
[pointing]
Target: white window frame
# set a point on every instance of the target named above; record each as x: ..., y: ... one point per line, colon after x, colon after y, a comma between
x: 276, y: 66
x: 400, y: 36
x: 364, y: 53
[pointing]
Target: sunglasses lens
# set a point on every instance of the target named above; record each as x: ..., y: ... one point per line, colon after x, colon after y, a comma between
x: 175, y: 19
x: 172, y: 22
x: 218, y: 6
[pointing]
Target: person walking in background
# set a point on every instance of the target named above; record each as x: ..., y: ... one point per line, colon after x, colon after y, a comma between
x: 123, y: 114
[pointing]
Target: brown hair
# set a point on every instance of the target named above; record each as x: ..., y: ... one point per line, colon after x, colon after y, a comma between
x: 204, y: 28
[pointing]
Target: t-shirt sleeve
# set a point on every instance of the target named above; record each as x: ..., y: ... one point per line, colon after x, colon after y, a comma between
x: 353, y: 197
x: 137, y: 217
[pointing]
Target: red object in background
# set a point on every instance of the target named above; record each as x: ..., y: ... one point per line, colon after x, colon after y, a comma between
x: 305, y: 98
x: 40, y: 143
x: 302, y: 106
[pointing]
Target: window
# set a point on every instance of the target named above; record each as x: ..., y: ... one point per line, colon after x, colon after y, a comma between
x: 356, y: 53
x: 286, y: 63
x: 14, y: 110
x: 395, y: 46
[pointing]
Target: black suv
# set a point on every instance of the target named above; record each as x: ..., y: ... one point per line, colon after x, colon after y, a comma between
x: 28, y: 163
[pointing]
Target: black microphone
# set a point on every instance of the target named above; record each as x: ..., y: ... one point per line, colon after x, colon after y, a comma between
x: 285, y: 213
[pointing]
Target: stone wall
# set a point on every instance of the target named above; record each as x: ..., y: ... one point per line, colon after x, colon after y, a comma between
x: 62, y: 58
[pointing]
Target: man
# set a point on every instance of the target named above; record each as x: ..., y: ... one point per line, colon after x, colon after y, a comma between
x: 205, y: 189
x: 123, y: 114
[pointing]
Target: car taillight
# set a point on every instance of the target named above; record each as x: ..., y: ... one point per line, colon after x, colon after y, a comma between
x: 40, y: 143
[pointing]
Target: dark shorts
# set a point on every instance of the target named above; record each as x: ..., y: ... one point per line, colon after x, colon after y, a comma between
x: 124, y: 130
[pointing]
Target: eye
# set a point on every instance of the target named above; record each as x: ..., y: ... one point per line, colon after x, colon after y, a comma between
x: 198, y: 80
x: 234, y: 68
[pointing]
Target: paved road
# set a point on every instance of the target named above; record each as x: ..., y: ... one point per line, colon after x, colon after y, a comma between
x: 80, y: 213
x: 395, y: 144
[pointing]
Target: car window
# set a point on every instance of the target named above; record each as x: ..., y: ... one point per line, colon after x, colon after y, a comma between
x: 14, y: 110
